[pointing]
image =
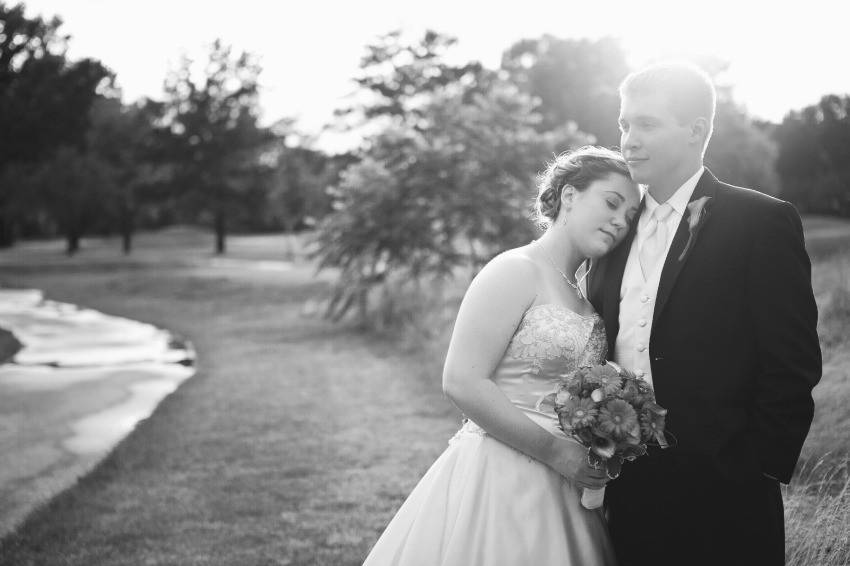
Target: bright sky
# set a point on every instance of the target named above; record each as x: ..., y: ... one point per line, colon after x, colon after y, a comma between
x: 782, y: 57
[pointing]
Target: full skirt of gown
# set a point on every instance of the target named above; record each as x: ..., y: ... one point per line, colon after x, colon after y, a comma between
x: 485, y: 503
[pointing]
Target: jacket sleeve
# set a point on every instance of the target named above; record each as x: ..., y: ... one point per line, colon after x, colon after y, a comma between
x: 784, y: 316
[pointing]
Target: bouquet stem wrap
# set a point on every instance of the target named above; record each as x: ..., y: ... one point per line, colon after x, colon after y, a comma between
x: 592, y: 498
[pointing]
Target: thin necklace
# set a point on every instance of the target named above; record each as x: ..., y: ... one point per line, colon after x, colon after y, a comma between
x: 564, y: 275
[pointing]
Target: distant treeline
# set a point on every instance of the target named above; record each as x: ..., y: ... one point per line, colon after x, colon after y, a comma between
x: 451, y: 149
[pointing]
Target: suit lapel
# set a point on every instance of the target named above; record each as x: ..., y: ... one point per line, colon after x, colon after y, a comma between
x: 673, y: 265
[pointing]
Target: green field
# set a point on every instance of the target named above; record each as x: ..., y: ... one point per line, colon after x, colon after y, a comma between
x: 298, y: 439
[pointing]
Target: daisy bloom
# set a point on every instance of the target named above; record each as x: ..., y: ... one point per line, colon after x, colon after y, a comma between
x: 577, y: 413
x: 606, y: 378
x: 619, y: 419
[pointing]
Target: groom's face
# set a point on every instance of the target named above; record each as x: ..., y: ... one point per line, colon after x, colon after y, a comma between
x: 653, y: 140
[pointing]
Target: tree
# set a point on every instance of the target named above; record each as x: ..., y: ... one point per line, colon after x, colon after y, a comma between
x: 73, y: 187
x: 123, y: 138
x: 299, y: 180
x: 834, y: 126
x: 813, y: 147
x: 444, y: 187
x: 740, y: 152
x: 214, y: 139
x: 44, y: 101
x: 298, y: 195
x: 576, y: 81
x: 398, y: 78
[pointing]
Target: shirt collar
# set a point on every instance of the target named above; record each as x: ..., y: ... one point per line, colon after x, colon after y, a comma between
x: 680, y: 199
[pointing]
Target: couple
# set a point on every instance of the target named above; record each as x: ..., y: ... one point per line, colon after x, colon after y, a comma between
x: 701, y: 288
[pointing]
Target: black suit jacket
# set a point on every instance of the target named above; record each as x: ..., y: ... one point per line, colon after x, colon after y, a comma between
x: 734, y: 348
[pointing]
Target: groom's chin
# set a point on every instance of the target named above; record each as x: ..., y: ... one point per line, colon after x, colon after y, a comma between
x: 638, y: 176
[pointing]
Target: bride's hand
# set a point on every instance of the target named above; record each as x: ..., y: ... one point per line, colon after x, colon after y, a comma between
x: 569, y: 458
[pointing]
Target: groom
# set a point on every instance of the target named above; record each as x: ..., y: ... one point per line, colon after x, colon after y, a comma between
x: 709, y: 298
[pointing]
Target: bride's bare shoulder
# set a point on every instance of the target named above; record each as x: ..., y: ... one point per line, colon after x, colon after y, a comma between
x: 509, y: 278
x: 514, y: 264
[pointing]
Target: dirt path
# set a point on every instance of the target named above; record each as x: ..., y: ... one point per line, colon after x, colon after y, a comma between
x: 293, y: 444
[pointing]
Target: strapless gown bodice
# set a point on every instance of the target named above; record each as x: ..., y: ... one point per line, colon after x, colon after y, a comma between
x: 551, y: 340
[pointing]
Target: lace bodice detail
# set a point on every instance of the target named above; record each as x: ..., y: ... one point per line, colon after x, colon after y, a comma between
x: 550, y: 331
x: 551, y: 340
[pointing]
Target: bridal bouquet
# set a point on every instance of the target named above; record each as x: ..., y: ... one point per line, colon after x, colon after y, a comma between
x: 613, y: 413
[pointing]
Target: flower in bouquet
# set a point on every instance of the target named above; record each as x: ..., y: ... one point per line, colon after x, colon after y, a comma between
x: 579, y: 412
x: 611, y: 412
x: 605, y: 378
x: 619, y: 421
x: 577, y: 385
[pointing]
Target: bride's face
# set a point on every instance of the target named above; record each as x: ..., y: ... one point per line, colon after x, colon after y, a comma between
x: 598, y: 217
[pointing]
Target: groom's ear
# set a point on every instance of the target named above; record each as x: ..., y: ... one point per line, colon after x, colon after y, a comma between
x: 699, y: 130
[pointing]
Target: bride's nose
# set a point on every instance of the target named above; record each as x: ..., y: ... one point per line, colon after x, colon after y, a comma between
x: 619, y: 221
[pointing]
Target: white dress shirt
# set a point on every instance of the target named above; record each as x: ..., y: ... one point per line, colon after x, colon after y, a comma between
x: 637, y: 294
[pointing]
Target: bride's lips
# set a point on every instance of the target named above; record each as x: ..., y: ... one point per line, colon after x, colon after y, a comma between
x: 609, y: 234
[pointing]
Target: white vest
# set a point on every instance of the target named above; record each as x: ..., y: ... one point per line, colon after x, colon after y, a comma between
x: 637, y: 295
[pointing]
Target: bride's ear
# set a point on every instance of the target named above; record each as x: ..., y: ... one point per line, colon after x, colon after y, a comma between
x: 567, y: 195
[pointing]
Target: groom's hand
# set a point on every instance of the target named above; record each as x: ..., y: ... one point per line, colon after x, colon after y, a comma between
x: 569, y: 458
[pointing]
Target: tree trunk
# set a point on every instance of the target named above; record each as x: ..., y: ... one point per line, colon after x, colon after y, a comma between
x: 7, y: 231
x: 73, y: 243
x: 289, y: 236
x: 220, y: 231
x: 127, y: 231
x: 127, y: 241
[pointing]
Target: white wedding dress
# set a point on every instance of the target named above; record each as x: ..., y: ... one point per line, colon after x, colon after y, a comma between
x: 482, y: 503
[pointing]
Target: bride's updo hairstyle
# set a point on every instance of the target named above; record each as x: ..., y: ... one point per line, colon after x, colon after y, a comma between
x: 577, y: 168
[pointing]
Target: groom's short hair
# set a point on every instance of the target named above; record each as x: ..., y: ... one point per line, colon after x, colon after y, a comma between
x: 689, y: 89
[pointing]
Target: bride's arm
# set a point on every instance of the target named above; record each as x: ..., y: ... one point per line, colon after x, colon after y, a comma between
x: 490, y: 312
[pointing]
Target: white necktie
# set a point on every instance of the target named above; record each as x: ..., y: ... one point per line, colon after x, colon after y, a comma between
x: 655, y: 242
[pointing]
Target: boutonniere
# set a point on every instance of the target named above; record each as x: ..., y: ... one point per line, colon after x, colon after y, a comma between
x: 697, y: 213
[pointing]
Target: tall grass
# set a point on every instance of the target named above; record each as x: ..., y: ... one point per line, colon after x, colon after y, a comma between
x: 817, y: 501
x: 817, y: 515
x: 831, y: 282
x: 831, y: 426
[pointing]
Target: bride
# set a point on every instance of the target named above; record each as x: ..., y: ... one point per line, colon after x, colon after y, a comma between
x: 507, y: 489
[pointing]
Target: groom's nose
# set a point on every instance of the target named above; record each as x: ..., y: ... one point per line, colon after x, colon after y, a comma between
x: 629, y: 140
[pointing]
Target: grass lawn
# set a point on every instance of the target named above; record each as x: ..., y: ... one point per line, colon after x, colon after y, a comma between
x: 826, y: 236
x: 292, y: 445
x: 297, y: 439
